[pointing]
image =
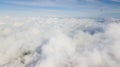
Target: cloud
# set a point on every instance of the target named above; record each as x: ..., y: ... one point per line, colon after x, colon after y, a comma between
x: 59, y: 42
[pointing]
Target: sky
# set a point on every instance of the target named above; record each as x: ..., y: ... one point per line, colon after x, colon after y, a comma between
x: 61, y: 8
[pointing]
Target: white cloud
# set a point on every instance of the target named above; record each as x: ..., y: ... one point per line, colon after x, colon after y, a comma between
x: 59, y: 42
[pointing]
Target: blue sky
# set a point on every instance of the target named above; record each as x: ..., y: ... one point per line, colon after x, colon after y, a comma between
x: 60, y: 8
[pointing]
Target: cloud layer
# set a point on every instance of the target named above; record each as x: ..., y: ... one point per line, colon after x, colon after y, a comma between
x: 59, y: 42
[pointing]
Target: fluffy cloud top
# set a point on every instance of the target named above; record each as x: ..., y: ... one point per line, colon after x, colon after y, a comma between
x: 59, y: 42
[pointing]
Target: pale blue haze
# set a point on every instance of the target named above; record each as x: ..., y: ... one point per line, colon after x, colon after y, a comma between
x: 61, y: 8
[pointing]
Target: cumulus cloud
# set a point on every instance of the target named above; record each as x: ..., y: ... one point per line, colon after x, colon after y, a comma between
x: 59, y: 42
